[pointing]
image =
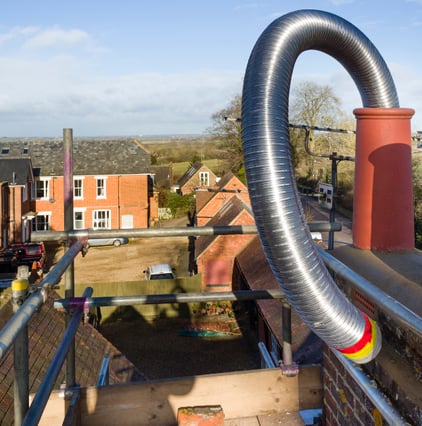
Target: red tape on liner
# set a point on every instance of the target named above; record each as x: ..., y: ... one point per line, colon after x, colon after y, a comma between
x: 365, y: 339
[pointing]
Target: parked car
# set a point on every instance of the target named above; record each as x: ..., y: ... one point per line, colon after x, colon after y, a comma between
x: 15, y: 255
x: 115, y: 241
x: 160, y: 271
x: 7, y: 260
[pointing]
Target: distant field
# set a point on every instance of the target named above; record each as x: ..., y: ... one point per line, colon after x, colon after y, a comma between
x: 216, y: 165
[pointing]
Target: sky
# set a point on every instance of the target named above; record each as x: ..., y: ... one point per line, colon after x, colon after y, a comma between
x: 155, y: 67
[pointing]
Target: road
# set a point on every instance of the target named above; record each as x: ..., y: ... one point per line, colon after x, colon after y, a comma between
x: 317, y: 213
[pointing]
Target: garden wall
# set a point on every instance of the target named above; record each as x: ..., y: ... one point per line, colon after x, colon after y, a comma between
x: 133, y: 288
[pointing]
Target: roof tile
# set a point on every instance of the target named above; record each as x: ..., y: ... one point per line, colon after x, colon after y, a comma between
x: 90, y: 156
x: 44, y: 332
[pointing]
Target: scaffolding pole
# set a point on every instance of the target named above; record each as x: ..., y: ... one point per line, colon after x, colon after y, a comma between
x: 154, y: 299
x: 168, y: 232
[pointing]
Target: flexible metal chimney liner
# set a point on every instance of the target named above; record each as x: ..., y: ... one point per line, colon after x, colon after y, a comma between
x: 278, y: 212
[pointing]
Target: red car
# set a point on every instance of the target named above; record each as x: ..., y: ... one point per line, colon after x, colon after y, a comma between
x: 15, y: 255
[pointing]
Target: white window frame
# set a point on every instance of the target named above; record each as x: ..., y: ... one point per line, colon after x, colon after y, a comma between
x: 46, y: 224
x: 102, y: 189
x: 204, y: 179
x: 42, y: 184
x: 82, y: 221
x: 81, y: 196
x: 25, y: 192
x: 97, y: 220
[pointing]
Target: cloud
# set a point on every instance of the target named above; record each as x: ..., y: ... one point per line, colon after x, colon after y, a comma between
x: 16, y: 33
x: 34, y: 39
x: 55, y: 95
x: 57, y: 37
x: 49, y: 82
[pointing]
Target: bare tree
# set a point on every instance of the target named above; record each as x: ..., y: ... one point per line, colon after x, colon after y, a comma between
x: 311, y: 104
x: 315, y: 105
x: 227, y: 130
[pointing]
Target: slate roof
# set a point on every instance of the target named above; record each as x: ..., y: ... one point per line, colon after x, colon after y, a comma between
x: 90, y: 156
x: 255, y: 270
x: 45, y: 331
x: 15, y: 170
x: 163, y: 176
x: 189, y: 173
x: 225, y: 216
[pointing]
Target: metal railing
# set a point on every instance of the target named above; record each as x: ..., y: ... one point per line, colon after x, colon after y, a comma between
x: 75, y: 242
x: 41, y: 398
x: 380, y: 401
x: 41, y: 236
x: 396, y: 310
x: 104, y: 376
x: 77, y: 306
x: 266, y: 359
x: 20, y: 319
x: 35, y: 300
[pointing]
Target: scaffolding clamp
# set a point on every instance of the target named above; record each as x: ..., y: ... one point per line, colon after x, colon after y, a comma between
x: 78, y: 302
x: 289, y: 370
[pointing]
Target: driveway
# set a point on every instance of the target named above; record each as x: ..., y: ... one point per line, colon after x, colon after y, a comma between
x: 127, y: 262
x: 318, y: 213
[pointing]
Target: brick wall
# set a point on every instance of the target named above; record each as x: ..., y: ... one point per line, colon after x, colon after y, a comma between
x: 344, y: 401
x: 134, y: 199
x: 15, y: 214
x: 396, y: 372
x: 4, y: 214
x: 223, y: 248
x: 125, y: 195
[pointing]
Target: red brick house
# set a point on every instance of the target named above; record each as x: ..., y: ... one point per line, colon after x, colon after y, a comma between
x: 215, y: 253
x: 209, y: 201
x: 197, y: 176
x: 252, y: 272
x: 16, y: 205
x: 112, y: 184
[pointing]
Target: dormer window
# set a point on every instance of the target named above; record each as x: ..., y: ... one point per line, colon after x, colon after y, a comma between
x: 5, y: 150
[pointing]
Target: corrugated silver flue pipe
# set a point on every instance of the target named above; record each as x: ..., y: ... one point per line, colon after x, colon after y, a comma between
x: 275, y: 200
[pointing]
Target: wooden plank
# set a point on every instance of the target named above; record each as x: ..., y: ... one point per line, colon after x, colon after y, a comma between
x: 155, y: 403
x: 270, y: 419
x: 289, y: 418
x: 241, y: 394
x: 54, y: 411
x: 244, y: 421
x: 310, y: 385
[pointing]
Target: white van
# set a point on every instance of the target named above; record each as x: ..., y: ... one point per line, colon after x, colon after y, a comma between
x: 160, y: 271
